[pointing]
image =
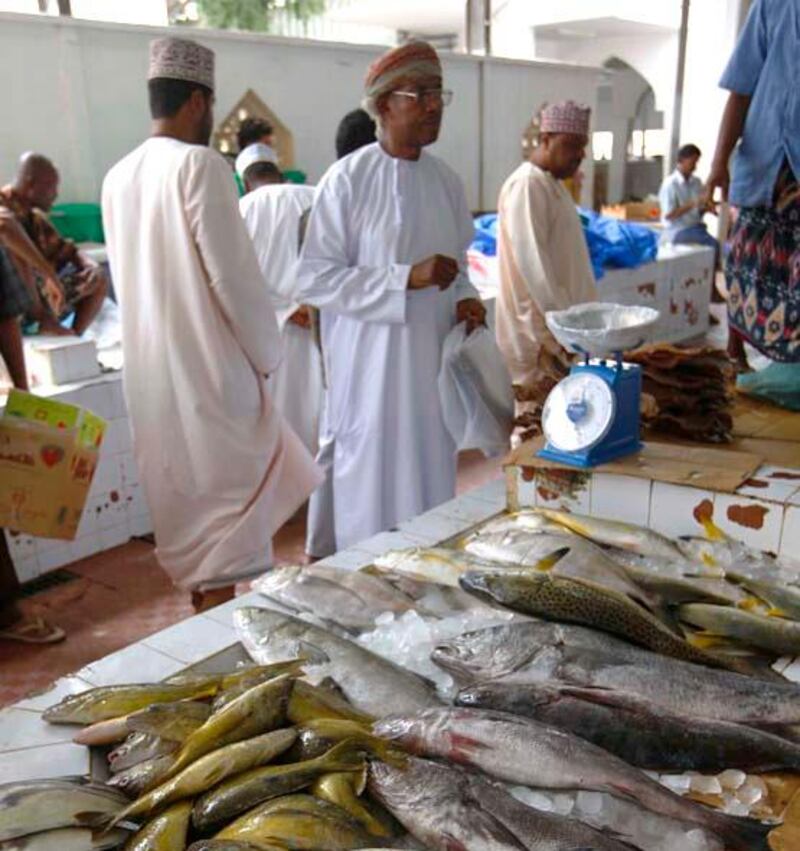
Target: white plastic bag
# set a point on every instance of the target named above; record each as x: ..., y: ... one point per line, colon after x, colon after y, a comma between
x: 475, y: 390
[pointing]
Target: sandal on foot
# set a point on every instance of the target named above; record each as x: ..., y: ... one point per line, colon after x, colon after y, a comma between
x: 33, y: 631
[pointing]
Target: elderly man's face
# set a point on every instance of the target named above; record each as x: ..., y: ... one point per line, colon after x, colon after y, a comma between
x: 565, y: 153
x: 42, y: 190
x: 412, y: 112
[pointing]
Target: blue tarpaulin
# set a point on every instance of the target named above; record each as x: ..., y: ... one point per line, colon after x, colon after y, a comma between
x: 613, y: 244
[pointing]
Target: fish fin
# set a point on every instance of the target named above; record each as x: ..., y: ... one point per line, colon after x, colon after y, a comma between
x: 745, y: 834
x: 749, y: 604
x: 463, y: 748
x: 311, y: 653
x: 776, y: 612
x: 713, y: 532
x: 549, y: 561
x: 706, y: 640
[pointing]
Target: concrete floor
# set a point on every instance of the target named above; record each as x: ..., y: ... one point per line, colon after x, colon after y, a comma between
x: 122, y: 595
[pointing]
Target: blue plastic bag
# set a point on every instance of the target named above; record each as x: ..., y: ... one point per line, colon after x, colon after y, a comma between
x: 486, y: 234
x: 615, y: 244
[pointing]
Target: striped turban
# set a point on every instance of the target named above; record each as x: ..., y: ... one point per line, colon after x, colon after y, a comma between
x: 417, y: 59
x: 565, y: 117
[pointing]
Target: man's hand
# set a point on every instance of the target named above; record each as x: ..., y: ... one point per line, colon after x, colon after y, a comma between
x: 89, y: 279
x: 301, y: 317
x: 719, y: 177
x: 437, y: 271
x: 53, y: 294
x: 471, y: 311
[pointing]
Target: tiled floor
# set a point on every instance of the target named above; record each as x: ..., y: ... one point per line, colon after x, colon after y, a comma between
x: 122, y: 596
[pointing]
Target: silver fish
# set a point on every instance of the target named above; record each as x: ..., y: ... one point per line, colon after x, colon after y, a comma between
x: 348, y: 598
x: 583, y: 560
x: 641, y: 734
x: 670, y: 684
x: 612, y: 533
x: 371, y: 683
x: 448, y: 809
x: 501, y: 650
x: 33, y: 806
x: 556, y: 759
x: 66, y: 839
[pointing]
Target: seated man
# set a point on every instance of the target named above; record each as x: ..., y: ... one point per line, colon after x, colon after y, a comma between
x: 82, y: 282
x: 683, y: 203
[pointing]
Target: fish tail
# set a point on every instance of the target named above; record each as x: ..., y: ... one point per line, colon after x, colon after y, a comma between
x: 742, y: 834
x: 348, y: 755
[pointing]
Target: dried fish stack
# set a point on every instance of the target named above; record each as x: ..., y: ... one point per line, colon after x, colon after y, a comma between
x: 692, y: 390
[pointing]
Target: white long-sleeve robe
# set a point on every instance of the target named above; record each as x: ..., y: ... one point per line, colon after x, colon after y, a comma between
x: 220, y: 468
x: 272, y: 216
x: 373, y: 218
x: 544, y: 265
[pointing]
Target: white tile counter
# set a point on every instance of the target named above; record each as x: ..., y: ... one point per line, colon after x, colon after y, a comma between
x: 30, y: 748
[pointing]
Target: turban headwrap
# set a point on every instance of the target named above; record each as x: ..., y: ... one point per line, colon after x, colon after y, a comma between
x: 417, y: 59
x: 565, y: 117
x: 181, y: 59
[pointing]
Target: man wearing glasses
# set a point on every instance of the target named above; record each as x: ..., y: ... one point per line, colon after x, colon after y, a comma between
x: 384, y: 261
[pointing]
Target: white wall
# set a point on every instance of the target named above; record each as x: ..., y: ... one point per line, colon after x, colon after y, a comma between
x: 75, y: 90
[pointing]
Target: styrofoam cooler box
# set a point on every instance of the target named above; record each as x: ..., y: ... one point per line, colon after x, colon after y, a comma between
x: 60, y: 360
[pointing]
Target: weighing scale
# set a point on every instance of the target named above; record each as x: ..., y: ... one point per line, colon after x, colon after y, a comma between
x: 592, y: 416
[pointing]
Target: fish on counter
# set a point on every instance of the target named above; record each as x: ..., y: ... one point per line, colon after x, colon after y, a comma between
x: 719, y: 553
x: 582, y: 602
x: 141, y: 777
x: 369, y: 682
x: 497, y: 651
x: 530, y: 520
x: 165, y: 832
x: 67, y: 839
x: 493, y: 742
x: 298, y: 821
x: 784, y: 599
x: 244, y: 791
x: 261, y: 709
x: 775, y: 635
x: 345, y: 789
x: 437, y: 565
x: 172, y: 721
x: 347, y: 598
x: 612, y: 533
x: 669, y: 684
x: 138, y: 748
x: 109, y: 732
x: 231, y: 845
x: 581, y: 559
x: 107, y: 702
x: 33, y: 806
x: 309, y: 702
x: 641, y: 734
x: 210, y: 770
x: 446, y: 808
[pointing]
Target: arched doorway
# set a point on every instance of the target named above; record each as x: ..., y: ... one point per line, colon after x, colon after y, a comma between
x: 629, y: 141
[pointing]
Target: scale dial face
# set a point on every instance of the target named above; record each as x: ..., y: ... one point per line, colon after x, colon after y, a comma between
x: 578, y: 412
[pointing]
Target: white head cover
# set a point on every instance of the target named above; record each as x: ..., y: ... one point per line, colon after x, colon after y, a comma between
x: 181, y: 59
x: 565, y: 117
x: 258, y: 152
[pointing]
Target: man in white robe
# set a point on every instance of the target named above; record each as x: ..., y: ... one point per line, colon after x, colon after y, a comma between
x: 542, y: 253
x: 272, y: 212
x: 221, y: 470
x: 385, y: 262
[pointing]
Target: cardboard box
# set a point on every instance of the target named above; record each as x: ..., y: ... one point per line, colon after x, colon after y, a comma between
x: 48, y: 454
x: 634, y: 211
